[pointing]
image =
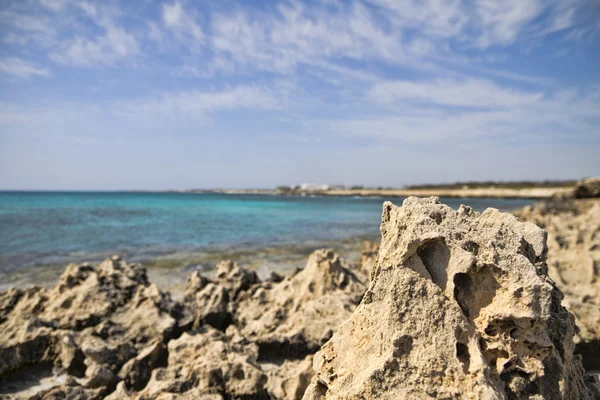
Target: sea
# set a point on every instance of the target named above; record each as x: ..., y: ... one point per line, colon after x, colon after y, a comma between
x: 174, y: 233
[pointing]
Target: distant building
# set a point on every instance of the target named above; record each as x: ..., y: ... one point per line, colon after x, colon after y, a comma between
x: 313, y: 186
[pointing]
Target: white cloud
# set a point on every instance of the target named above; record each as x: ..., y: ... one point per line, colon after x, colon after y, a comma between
x: 115, y: 45
x: 20, y: 68
x: 439, y: 18
x: 502, y: 21
x: 199, y: 103
x: 297, y: 34
x: 181, y: 21
x: 468, y: 93
x: 565, y: 115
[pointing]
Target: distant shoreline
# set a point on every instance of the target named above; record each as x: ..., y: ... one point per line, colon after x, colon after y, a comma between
x: 495, y: 193
x: 534, y: 193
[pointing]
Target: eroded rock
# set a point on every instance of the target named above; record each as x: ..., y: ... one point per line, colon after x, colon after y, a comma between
x: 586, y: 188
x: 460, y: 306
x: 289, y: 380
x: 574, y: 264
x: 368, y: 258
x: 294, y: 317
x: 204, y: 363
x: 89, y: 324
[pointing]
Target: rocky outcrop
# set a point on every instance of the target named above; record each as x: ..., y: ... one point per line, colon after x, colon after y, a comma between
x: 589, y: 187
x: 460, y: 306
x: 574, y: 264
x: 100, y: 324
x: 213, y: 302
x: 368, y: 258
x: 112, y: 333
x: 289, y: 380
x: 204, y: 363
x: 297, y: 315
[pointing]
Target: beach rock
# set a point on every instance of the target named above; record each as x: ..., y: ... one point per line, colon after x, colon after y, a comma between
x: 294, y: 317
x: 136, y: 372
x: 234, y: 278
x: 71, y: 390
x: 25, y: 338
x: 90, y: 323
x: 194, y: 284
x: 459, y: 306
x: 212, y: 307
x: 573, y: 263
x: 204, y: 363
x: 211, y: 302
x: 290, y: 380
x: 589, y: 187
x: 368, y: 258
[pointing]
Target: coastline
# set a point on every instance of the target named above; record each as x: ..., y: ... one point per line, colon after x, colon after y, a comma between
x: 170, y: 270
x: 493, y: 193
x: 112, y: 330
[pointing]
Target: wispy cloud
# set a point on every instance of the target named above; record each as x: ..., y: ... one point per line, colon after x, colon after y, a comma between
x: 476, y: 93
x: 181, y: 21
x: 199, y: 103
x: 522, y: 117
x: 362, y: 73
x: 20, y: 68
x: 115, y: 45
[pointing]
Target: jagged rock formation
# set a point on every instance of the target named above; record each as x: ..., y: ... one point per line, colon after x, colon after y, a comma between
x: 589, y: 187
x: 459, y: 306
x: 368, y: 258
x: 574, y: 264
x: 114, y: 334
x: 297, y: 315
x: 92, y: 325
x: 289, y: 380
x: 205, y: 363
x: 213, y: 301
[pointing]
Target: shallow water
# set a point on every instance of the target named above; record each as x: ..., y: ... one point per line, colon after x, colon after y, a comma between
x: 40, y: 231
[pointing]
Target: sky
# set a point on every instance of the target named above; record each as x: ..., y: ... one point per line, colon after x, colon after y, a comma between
x: 181, y: 94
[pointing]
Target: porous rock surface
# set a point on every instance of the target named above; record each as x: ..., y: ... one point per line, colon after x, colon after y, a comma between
x: 368, y: 259
x: 89, y: 325
x: 114, y: 335
x: 459, y: 306
x: 297, y: 315
x: 204, y: 363
x: 573, y: 228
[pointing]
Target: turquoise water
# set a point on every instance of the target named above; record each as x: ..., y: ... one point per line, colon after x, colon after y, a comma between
x: 42, y: 228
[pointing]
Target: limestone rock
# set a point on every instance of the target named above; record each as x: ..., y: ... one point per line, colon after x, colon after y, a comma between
x: 234, y: 278
x: 195, y: 283
x: 573, y: 263
x: 211, y: 302
x: 589, y: 187
x: 89, y: 324
x: 136, y: 372
x: 368, y: 258
x: 211, y: 306
x: 204, y: 363
x: 24, y: 337
x: 296, y: 316
x: 289, y: 380
x: 459, y: 306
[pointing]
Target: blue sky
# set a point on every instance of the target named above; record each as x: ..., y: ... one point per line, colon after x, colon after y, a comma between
x: 186, y: 94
